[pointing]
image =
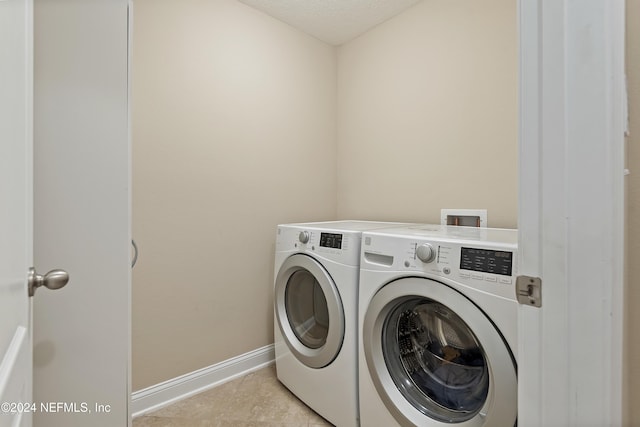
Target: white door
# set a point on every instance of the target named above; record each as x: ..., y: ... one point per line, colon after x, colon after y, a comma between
x: 16, y: 219
x: 81, y: 333
x: 81, y: 212
x: 82, y: 209
x: 570, y: 355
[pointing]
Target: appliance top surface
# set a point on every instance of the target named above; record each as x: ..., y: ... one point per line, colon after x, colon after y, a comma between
x: 454, y: 233
x: 347, y: 225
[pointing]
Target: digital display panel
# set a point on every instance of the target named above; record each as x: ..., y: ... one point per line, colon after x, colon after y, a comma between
x: 486, y: 261
x: 331, y: 240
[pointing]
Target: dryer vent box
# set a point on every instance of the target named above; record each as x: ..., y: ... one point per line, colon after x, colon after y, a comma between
x: 464, y: 217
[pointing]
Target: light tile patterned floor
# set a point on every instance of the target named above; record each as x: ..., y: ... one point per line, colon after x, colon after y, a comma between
x: 255, y: 400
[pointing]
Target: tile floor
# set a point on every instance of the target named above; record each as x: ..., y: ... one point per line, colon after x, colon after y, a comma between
x: 255, y: 400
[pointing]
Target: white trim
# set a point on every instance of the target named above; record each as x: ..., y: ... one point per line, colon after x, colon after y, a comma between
x: 571, y: 211
x: 184, y: 386
x: 615, y: 24
x: 130, y: 181
x: 529, y: 211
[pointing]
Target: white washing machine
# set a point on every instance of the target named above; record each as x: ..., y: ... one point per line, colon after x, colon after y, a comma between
x: 438, y: 327
x: 316, y: 300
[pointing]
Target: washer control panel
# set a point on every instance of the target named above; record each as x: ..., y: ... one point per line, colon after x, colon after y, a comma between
x: 464, y: 261
x: 484, y: 265
x: 425, y: 252
x: 486, y: 260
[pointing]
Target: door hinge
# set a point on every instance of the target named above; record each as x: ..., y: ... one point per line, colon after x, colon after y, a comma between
x: 529, y: 290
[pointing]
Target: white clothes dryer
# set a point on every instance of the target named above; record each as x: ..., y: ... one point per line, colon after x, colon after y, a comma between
x: 316, y: 301
x: 438, y: 327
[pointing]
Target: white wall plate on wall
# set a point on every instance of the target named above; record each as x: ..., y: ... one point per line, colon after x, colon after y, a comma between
x: 464, y: 217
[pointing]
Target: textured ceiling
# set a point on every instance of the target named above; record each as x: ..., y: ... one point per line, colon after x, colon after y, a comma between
x: 332, y: 21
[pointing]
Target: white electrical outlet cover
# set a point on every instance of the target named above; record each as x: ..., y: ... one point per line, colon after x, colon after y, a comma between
x: 481, y: 213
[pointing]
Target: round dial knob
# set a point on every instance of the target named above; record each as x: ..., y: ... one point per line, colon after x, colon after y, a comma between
x: 425, y: 252
x: 303, y: 236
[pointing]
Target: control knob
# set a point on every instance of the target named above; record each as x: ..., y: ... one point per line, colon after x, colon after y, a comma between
x: 303, y: 236
x: 425, y: 253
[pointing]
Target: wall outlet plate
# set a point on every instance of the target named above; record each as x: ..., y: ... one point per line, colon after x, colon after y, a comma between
x: 464, y: 217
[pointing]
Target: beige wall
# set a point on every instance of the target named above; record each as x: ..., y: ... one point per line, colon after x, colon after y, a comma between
x: 633, y: 211
x: 230, y: 105
x: 233, y: 133
x: 428, y: 114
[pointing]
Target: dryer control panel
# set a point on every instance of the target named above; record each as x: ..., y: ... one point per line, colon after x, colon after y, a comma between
x: 331, y: 240
x: 342, y: 247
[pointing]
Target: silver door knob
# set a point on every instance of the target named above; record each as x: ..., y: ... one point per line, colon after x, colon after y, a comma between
x: 55, y: 279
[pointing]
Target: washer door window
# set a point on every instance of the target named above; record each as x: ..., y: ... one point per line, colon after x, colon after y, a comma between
x: 425, y: 342
x: 309, y: 311
x: 435, y: 357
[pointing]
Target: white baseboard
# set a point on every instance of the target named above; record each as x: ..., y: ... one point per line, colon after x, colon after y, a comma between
x: 173, y: 390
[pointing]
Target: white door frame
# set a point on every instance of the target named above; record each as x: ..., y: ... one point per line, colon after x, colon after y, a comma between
x: 571, y: 211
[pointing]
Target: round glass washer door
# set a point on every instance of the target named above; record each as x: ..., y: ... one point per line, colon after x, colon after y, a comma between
x: 309, y: 311
x: 436, y: 359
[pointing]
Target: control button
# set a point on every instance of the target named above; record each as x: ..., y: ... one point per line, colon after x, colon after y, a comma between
x: 303, y: 236
x: 506, y: 280
x: 425, y: 253
x: 477, y: 276
x: 464, y: 275
x: 407, y: 264
x: 446, y: 270
x: 490, y: 278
